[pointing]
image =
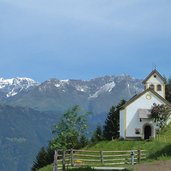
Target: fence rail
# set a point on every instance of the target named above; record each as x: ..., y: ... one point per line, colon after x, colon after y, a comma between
x: 78, y: 158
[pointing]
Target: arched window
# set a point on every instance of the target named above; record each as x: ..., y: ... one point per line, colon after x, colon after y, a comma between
x: 145, y: 87
x: 152, y: 86
x: 159, y: 87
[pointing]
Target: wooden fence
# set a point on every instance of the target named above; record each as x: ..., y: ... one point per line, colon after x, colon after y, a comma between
x: 63, y: 159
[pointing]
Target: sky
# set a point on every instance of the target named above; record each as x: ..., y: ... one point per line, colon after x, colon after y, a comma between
x: 84, y: 39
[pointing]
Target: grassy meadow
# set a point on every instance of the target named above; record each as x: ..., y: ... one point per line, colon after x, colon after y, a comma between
x: 157, y: 149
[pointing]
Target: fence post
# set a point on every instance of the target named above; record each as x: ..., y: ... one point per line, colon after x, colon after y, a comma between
x: 139, y: 155
x: 132, y: 157
x: 55, y: 164
x: 101, y: 156
x: 63, y: 161
x: 72, y: 158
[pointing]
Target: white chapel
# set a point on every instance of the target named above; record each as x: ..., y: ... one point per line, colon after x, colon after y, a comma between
x: 135, y: 120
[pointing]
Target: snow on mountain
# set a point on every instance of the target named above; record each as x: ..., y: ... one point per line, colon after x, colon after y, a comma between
x: 95, y: 87
x: 104, y: 89
x: 61, y: 83
x: 82, y: 88
x: 57, y: 85
x: 92, y: 88
x: 64, y: 85
x: 96, y: 94
x: 11, y: 87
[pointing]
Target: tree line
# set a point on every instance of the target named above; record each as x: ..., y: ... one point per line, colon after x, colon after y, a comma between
x: 71, y: 132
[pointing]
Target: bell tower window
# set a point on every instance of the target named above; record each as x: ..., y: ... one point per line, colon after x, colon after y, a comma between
x: 145, y: 87
x: 152, y: 86
x: 159, y: 87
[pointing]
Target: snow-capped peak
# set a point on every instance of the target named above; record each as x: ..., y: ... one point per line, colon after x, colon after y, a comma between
x: 61, y: 83
x: 17, y: 80
x: 13, y: 86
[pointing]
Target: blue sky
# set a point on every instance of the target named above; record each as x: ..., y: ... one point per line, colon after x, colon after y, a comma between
x: 83, y: 39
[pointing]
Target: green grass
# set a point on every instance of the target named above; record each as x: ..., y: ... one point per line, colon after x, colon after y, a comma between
x: 47, y: 168
x: 157, y: 149
x: 117, y: 145
x: 165, y: 135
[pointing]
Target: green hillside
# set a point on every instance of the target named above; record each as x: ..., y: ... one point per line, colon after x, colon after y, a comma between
x: 21, y: 136
x: 157, y: 149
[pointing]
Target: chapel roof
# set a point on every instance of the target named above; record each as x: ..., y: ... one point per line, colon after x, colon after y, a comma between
x: 134, y: 98
x: 154, y: 72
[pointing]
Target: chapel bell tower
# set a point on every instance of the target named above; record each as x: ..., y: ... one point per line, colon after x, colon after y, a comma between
x: 156, y: 82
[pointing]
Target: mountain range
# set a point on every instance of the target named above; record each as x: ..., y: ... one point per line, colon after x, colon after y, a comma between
x: 58, y: 95
x: 29, y: 109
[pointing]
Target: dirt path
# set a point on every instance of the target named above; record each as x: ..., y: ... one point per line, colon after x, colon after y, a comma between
x: 155, y: 166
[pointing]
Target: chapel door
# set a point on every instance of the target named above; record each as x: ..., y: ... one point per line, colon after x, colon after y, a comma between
x: 147, y: 132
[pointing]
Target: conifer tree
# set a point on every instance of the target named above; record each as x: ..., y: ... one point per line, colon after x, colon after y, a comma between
x: 111, y: 127
x: 83, y: 141
x: 41, y: 160
x: 98, y: 135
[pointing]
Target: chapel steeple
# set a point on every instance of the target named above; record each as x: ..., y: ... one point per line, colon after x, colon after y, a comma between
x: 156, y: 82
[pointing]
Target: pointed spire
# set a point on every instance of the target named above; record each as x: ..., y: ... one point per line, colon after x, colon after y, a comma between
x: 154, y: 71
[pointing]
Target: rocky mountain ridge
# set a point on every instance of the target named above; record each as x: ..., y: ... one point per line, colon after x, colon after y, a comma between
x: 58, y: 95
x: 13, y: 86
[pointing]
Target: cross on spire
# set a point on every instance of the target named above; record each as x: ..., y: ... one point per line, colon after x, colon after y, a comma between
x: 154, y: 67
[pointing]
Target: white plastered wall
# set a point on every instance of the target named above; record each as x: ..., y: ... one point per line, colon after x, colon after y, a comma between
x: 122, y: 122
x: 132, y: 116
